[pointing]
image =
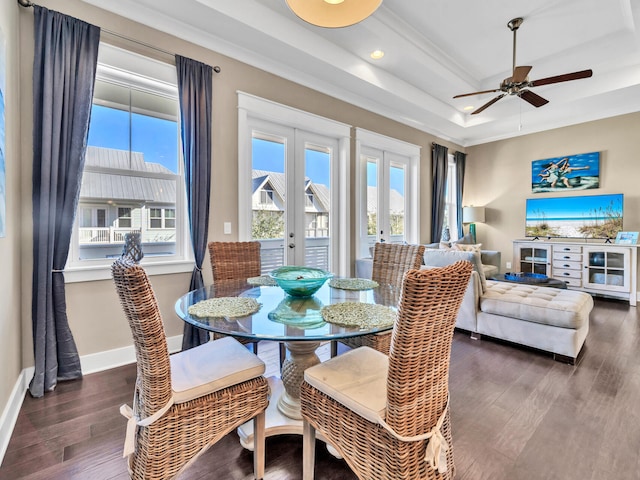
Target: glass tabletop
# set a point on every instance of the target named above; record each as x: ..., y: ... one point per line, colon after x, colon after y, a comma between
x: 282, y: 317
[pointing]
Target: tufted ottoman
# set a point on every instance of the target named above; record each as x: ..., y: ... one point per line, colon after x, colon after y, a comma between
x: 546, y: 318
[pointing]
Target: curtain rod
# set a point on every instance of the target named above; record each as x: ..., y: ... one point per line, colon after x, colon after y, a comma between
x: 216, y: 68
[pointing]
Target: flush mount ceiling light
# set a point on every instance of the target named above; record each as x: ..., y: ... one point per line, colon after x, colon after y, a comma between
x: 333, y: 13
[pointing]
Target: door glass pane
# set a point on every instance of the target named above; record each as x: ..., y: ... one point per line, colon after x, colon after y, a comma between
x: 268, y: 199
x: 372, y: 201
x: 317, y: 206
x: 396, y: 203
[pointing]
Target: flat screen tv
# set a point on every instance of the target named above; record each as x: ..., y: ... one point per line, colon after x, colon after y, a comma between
x: 587, y: 216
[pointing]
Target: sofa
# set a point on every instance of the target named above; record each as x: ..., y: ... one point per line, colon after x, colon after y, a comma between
x: 489, y: 259
x: 545, y: 318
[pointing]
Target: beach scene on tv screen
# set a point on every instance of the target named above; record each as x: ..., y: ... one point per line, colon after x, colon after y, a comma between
x: 592, y: 216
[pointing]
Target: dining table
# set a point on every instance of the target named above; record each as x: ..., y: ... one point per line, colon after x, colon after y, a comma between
x: 298, y: 322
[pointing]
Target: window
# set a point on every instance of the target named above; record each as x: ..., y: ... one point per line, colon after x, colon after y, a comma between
x: 450, y: 222
x: 132, y: 179
x: 266, y: 197
x: 124, y: 217
x: 162, y: 218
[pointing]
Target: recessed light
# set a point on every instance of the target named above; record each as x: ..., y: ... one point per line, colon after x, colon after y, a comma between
x: 468, y: 107
x: 333, y: 2
x: 377, y: 54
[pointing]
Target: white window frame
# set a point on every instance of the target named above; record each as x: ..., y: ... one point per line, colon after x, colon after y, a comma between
x: 115, y: 65
x: 251, y: 109
x: 397, y: 151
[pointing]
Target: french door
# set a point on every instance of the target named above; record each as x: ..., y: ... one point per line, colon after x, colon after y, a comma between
x: 387, y: 192
x: 292, y: 195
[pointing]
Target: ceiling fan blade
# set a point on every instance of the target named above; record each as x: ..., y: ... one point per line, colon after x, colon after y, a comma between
x: 533, y: 98
x: 520, y: 74
x: 562, y: 78
x: 477, y: 93
x: 488, y: 104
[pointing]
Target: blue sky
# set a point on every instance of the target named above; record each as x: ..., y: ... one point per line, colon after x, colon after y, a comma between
x: 156, y: 138
x: 270, y: 156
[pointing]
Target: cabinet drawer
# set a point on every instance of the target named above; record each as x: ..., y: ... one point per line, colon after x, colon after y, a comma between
x: 571, y: 282
x: 571, y: 265
x: 574, y: 257
x: 562, y: 273
x: 567, y: 249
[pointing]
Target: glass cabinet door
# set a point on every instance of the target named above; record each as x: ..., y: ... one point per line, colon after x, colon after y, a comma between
x: 607, y: 269
x: 535, y: 260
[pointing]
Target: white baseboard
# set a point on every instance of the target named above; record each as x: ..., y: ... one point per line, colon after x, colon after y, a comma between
x: 95, y: 362
x: 12, y: 409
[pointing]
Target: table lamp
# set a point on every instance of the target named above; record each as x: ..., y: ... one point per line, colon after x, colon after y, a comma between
x: 471, y: 215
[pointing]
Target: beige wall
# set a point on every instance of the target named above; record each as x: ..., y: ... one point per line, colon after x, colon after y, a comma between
x: 499, y: 174
x: 10, y: 311
x: 94, y: 313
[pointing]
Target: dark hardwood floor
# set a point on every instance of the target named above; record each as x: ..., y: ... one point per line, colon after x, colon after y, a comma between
x: 516, y: 415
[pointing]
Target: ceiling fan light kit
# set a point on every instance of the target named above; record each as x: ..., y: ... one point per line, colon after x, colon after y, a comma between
x: 518, y: 83
x: 333, y: 13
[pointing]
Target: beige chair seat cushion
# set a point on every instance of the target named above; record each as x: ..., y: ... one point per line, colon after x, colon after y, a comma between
x: 211, y: 367
x: 545, y: 305
x: 357, y: 379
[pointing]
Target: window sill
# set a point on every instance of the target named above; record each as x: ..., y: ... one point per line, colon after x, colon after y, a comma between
x: 103, y: 272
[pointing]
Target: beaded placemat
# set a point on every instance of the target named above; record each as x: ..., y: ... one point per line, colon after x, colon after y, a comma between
x: 353, y: 283
x: 262, y: 281
x: 355, y: 314
x: 229, y: 307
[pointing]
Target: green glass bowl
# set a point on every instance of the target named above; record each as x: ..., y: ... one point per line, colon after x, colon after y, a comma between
x: 300, y: 281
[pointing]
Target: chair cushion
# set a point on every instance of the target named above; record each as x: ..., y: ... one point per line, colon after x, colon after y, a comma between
x: 211, y: 367
x: 357, y: 379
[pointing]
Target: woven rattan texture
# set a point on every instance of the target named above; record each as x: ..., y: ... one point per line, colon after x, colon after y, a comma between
x: 235, y: 261
x: 166, y: 446
x: 390, y: 262
x: 417, y: 384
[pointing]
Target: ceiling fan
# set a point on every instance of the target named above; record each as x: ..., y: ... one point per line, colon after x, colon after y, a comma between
x: 518, y: 83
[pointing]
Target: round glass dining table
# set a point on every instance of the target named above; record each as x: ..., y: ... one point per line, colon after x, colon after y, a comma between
x: 295, y: 321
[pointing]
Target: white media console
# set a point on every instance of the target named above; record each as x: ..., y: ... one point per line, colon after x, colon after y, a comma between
x: 598, y: 268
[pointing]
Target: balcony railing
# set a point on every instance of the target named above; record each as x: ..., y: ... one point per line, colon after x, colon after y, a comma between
x: 113, y: 235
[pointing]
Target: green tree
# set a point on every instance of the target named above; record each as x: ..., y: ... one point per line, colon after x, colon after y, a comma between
x: 267, y: 224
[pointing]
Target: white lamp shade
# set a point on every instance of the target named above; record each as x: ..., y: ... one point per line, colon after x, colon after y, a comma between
x: 472, y: 214
x: 333, y: 15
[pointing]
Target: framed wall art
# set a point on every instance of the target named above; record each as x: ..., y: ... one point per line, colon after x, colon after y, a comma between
x: 564, y: 174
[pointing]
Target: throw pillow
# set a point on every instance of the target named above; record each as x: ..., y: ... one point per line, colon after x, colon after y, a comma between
x: 445, y: 246
x: 465, y: 240
x: 467, y: 247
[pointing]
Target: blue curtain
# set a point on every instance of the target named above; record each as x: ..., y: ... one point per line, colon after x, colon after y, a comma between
x: 439, y: 166
x: 195, y: 91
x: 461, y: 160
x: 64, y: 70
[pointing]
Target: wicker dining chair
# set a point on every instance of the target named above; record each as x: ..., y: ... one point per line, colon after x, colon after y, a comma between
x: 186, y: 402
x: 237, y: 261
x: 388, y: 416
x: 390, y: 262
